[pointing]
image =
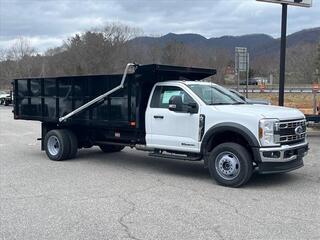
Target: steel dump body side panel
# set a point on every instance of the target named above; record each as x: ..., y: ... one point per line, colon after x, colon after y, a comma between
x: 46, y: 99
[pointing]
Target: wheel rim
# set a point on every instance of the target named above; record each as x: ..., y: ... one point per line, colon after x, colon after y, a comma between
x: 53, y: 145
x: 227, y: 165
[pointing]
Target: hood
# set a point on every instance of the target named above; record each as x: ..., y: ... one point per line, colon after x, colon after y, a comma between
x: 258, y: 101
x: 263, y: 111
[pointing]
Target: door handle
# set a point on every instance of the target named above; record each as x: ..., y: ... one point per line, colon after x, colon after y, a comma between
x: 158, y: 117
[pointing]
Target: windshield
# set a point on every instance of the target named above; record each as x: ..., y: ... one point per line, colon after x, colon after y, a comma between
x: 215, y: 95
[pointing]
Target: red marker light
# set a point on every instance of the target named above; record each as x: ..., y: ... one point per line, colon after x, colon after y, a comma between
x: 132, y: 124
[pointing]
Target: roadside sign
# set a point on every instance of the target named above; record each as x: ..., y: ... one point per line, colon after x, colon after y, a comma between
x: 299, y: 3
x: 242, y: 65
x: 241, y: 59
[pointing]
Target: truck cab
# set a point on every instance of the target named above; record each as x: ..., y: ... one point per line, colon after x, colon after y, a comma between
x: 232, y: 137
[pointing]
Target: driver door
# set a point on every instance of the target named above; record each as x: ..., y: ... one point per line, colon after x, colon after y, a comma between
x: 167, y: 129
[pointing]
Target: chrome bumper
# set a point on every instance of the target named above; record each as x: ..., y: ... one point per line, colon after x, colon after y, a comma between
x: 284, y: 153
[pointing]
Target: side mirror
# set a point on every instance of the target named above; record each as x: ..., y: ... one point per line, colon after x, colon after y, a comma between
x: 175, y: 103
x: 192, y: 107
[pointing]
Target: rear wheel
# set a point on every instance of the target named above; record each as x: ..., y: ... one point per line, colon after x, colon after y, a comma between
x: 73, y: 144
x: 230, y: 164
x: 107, y: 148
x: 57, y: 144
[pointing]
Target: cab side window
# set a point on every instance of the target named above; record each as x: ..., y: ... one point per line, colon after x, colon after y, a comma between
x: 162, y: 95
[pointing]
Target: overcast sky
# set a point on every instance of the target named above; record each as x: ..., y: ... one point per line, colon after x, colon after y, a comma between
x: 48, y: 22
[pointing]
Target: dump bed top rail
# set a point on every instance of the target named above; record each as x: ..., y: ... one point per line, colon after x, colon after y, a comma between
x: 190, y: 73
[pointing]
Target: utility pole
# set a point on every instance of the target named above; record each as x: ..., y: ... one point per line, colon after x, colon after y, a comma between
x: 247, y: 80
x: 283, y: 53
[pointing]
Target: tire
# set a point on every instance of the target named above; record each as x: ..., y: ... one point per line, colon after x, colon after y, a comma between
x: 57, y: 144
x: 73, y: 144
x: 107, y: 148
x: 6, y: 103
x: 230, y: 164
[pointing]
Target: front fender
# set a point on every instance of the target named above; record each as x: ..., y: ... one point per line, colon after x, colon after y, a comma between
x: 233, y: 127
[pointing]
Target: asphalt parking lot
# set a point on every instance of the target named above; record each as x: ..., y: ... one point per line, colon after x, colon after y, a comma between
x: 129, y: 195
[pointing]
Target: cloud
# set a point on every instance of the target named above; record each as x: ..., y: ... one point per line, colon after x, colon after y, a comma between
x: 48, y: 23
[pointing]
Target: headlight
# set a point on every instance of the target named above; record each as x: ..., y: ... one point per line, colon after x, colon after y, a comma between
x: 268, y: 132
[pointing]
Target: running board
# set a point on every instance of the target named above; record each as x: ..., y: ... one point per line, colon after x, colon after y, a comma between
x: 176, y: 156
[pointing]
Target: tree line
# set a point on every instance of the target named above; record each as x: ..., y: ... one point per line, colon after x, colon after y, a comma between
x: 108, y: 50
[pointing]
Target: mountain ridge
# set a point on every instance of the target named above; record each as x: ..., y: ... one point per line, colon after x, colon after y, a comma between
x: 257, y: 43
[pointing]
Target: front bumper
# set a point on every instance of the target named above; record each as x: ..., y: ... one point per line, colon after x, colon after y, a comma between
x: 282, y: 159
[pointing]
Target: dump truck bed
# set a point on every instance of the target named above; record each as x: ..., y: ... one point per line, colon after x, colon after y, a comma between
x: 48, y: 99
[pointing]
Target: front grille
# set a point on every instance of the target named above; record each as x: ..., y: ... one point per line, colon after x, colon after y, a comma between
x: 292, y: 131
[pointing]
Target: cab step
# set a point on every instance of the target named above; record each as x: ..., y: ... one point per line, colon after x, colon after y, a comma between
x: 184, y: 157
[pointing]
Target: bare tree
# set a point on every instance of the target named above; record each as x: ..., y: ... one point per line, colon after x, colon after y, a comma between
x: 21, y: 48
x: 97, y: 51
x: 300, y: 64
x: 22, y: 53
x: 3, y: 54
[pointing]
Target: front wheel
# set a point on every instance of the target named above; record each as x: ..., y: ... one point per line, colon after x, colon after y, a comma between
x: 230, y: 164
